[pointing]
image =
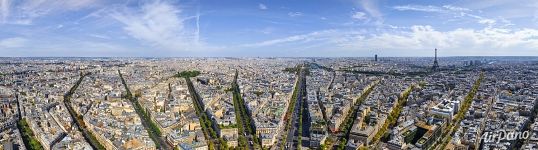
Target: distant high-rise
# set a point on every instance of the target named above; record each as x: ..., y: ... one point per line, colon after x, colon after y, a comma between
x: 435, y: 63
x: 375, y: 57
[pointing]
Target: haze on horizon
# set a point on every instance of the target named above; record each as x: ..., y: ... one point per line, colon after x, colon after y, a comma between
x: 333, y: 28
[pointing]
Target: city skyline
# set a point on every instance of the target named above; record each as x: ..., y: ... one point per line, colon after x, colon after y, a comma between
x: 268, y: 103
x: 166, y: 28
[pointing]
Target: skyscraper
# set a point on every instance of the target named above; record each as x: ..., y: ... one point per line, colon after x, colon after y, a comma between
x: 375, y: 57
x: 435, y: 64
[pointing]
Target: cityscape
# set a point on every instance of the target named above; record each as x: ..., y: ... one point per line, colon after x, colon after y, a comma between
x: 269, y: 103
x: 268, y: 75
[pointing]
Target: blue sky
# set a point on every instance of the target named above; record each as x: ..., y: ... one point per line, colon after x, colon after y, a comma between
x: 294, y: 28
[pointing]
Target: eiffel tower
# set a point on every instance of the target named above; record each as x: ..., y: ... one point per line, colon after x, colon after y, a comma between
x: 435, y: 63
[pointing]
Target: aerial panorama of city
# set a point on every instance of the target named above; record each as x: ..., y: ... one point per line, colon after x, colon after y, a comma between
x: 270, y: 103
x: 268, y: 75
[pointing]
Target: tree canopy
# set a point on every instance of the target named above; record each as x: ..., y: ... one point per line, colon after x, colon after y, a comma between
x: 187, y: 74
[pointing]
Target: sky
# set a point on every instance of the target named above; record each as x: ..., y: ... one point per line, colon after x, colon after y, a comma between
x: 267, y: 28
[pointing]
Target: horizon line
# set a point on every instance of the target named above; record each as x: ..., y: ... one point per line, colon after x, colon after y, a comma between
x: 257, y: 56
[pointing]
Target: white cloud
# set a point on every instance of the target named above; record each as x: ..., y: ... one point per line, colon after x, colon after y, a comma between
x: 456, y: 8
x: 25, y: 11
x: 460, y: 41
x: 197, y: 32
x: 15, y: 42
x: 159, y: 24
x: 295, y: 14
x: 359, y: 15
x: 262, y: 6
x: 295, y: 38
x: 266, y: 30
x: 4, y: 10
x: 535, y: 15
x: 429, y: 8
x: 370, y: 6
x: 99, y: 36
x: 455, y: 11
x: 487, y: 21
x: 513, y: 10
x: 99, y: 13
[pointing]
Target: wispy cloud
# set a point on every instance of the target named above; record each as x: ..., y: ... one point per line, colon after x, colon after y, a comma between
x: 456, y: 8
x: 99, y: 36
x: 431, y: 8
x: 295, y: 14
x: 159, y: 24
x: 266, y: 30
x: 455, y: 11
x: 14, y: 42
x: 4, y: 10
x: 371, y: 7
x: 197, y: 32
x: 25, y: 11
x: 295, y: 38
x: 262, y: 6
x: 359, y: 15
x: 487, y: 21
x: 460, y: 41
x: 428, y: 8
